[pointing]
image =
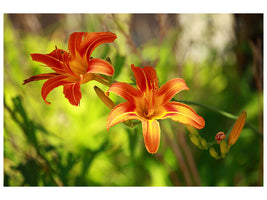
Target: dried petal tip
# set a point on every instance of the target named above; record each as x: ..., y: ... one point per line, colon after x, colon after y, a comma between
x: 25, y: 81
x: 219, y: 137
x: 238, y: 126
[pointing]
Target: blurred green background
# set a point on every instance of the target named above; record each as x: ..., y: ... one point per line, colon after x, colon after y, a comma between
x: 218, y: 55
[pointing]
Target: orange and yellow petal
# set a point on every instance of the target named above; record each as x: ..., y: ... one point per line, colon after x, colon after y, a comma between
x: 52, y: 83
x: 40, y: 77
x: 72, y: 92
x: 94, y: 39
x: 52, y: 60
x: 75, y: 42
x: 120, y: 113
x: 170, y: 88
x: 100, y: 66
x: 146, y: 78
x: 124, y: 90
x: 151, y: 133
x: 183, y: 114
x: 84, y: 43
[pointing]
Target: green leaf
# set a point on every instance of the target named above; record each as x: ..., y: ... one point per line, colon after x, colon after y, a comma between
x: 119, y: 62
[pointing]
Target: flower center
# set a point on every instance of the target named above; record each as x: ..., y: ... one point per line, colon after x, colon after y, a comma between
x: 148, y: 109
x: 78, y: 65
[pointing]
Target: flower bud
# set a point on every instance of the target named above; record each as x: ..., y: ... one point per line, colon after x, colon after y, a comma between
x: 108, y: 60
x: 223, y: 147
x: 219, y: 137
x: 238, y: 126
x: 192, y: 130
x: 204, y: 143
x: 194, y: 140
x: 213, y: 153
x: 109, y: 103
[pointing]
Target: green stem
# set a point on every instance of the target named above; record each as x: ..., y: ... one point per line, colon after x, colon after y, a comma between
x: 223, y: 113
x: 210, y: 108
x: 209, y: 144
x: 102, y: 80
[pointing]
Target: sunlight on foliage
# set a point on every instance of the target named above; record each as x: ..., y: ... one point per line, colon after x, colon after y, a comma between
x: 62, y: 144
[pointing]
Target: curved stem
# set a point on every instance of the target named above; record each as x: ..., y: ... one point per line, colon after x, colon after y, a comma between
x: 226, y: 114
x: 102, y: 80
x: 221, y: 112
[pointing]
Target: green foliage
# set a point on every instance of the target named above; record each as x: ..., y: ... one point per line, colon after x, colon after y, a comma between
x: 63, y: 145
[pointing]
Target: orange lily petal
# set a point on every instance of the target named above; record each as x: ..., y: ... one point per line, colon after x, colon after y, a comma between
x: 184, y: 114
x: 75, y: 42
x: 73, y: 93
x: 40, y: 77
x: 151, y: 133
x: 92, y: 40
x: 50, y: 84
x: 170, y: 88
x: 100, y: 66
x: 120, y: 113
x: 146, y: 78
x: 74, y: 67
x: 124, y: 90
x: 84, y: 43
x: 52, y: 60
x: 65, y: 57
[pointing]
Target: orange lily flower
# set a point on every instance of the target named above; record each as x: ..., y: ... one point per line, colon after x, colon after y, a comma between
x: 74, y: 67
x: 148, y: 103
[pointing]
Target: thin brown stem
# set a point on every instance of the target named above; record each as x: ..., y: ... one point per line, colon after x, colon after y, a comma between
x: 173, y: 176
x: 129, y: 39
x: 175, y: 147
x: 188, y: 153
x: 257, y: 68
